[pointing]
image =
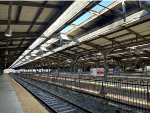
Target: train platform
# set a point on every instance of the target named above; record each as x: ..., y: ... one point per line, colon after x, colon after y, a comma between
x: 8, y: 100
x: 15, y: 99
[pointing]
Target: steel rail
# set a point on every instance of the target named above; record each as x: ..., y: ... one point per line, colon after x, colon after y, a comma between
x: 54, y: 108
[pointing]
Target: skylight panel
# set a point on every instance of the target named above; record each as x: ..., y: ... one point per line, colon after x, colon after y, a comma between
x: 83, y: 18
x: 97, y: 8
x: 66, y: 29
x: 106, y: 2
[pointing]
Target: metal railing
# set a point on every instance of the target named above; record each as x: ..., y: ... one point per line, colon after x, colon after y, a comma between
x: 132, y: 93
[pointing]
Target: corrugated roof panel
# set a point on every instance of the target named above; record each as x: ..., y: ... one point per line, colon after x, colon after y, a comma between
x: 85, y: 46
x: 16, y: 42
x: 4, y: 12
x: 145, y: 32
x: 28, y: 13
x: 126, y: 37
x: 101, y: 41
x: 2, y: 28
x: 117, y: 33
x: 47, y: 14
x: 142, y: 27
x: 19, y: 28
x: 35, y: 28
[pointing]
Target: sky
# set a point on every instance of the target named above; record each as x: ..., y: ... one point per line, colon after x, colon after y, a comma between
x: 87, y: 15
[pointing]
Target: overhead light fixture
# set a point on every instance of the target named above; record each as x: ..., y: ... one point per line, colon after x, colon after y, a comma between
x: 8, y: 32
x: 64, y: 39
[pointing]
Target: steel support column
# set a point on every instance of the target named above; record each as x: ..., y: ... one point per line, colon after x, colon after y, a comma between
x: 104, y: 54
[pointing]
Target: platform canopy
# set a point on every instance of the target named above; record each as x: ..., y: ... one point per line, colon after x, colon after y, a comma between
x: 117, y: 30
x: 27, y: 20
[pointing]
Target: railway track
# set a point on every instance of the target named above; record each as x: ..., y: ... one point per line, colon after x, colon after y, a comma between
x: 55, y: 103
x: 129, y: 93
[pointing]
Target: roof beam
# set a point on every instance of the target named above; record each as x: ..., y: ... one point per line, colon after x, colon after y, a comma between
x: 88, y: 52
x: 144, y: 6
x: 18, y: 39
x: 4, y: 22
x: 145, y: 41
x: 11, y: 42
x: 13, y: 49
x: 98, y: 47
x: 39, y: 12
x: 147, y: 52
x: 31, y: 4
x: 18, y: 13
x: 66, y: 54
x: 59, y: 13
x: 9, y: 14
x: 133, y: 32
x: 4, y: 45
x: 19, y: 34
x: 120, y: 36
x: 111, y: 40
x: 54, y: 18
x: 8, y: 27
x: 19, y: 46
x: 82, y: 48
x: 74, y: 51
x: 10, y: 54
x: 121, y: 30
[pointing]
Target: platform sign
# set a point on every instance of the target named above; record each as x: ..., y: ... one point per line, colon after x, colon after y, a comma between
x: 110, y: 71
x: 97, y: 71
x: 100, y: 71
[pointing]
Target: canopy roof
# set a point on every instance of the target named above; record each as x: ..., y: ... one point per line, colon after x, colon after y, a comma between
x: 96, y: 28
x: 28, y: 20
